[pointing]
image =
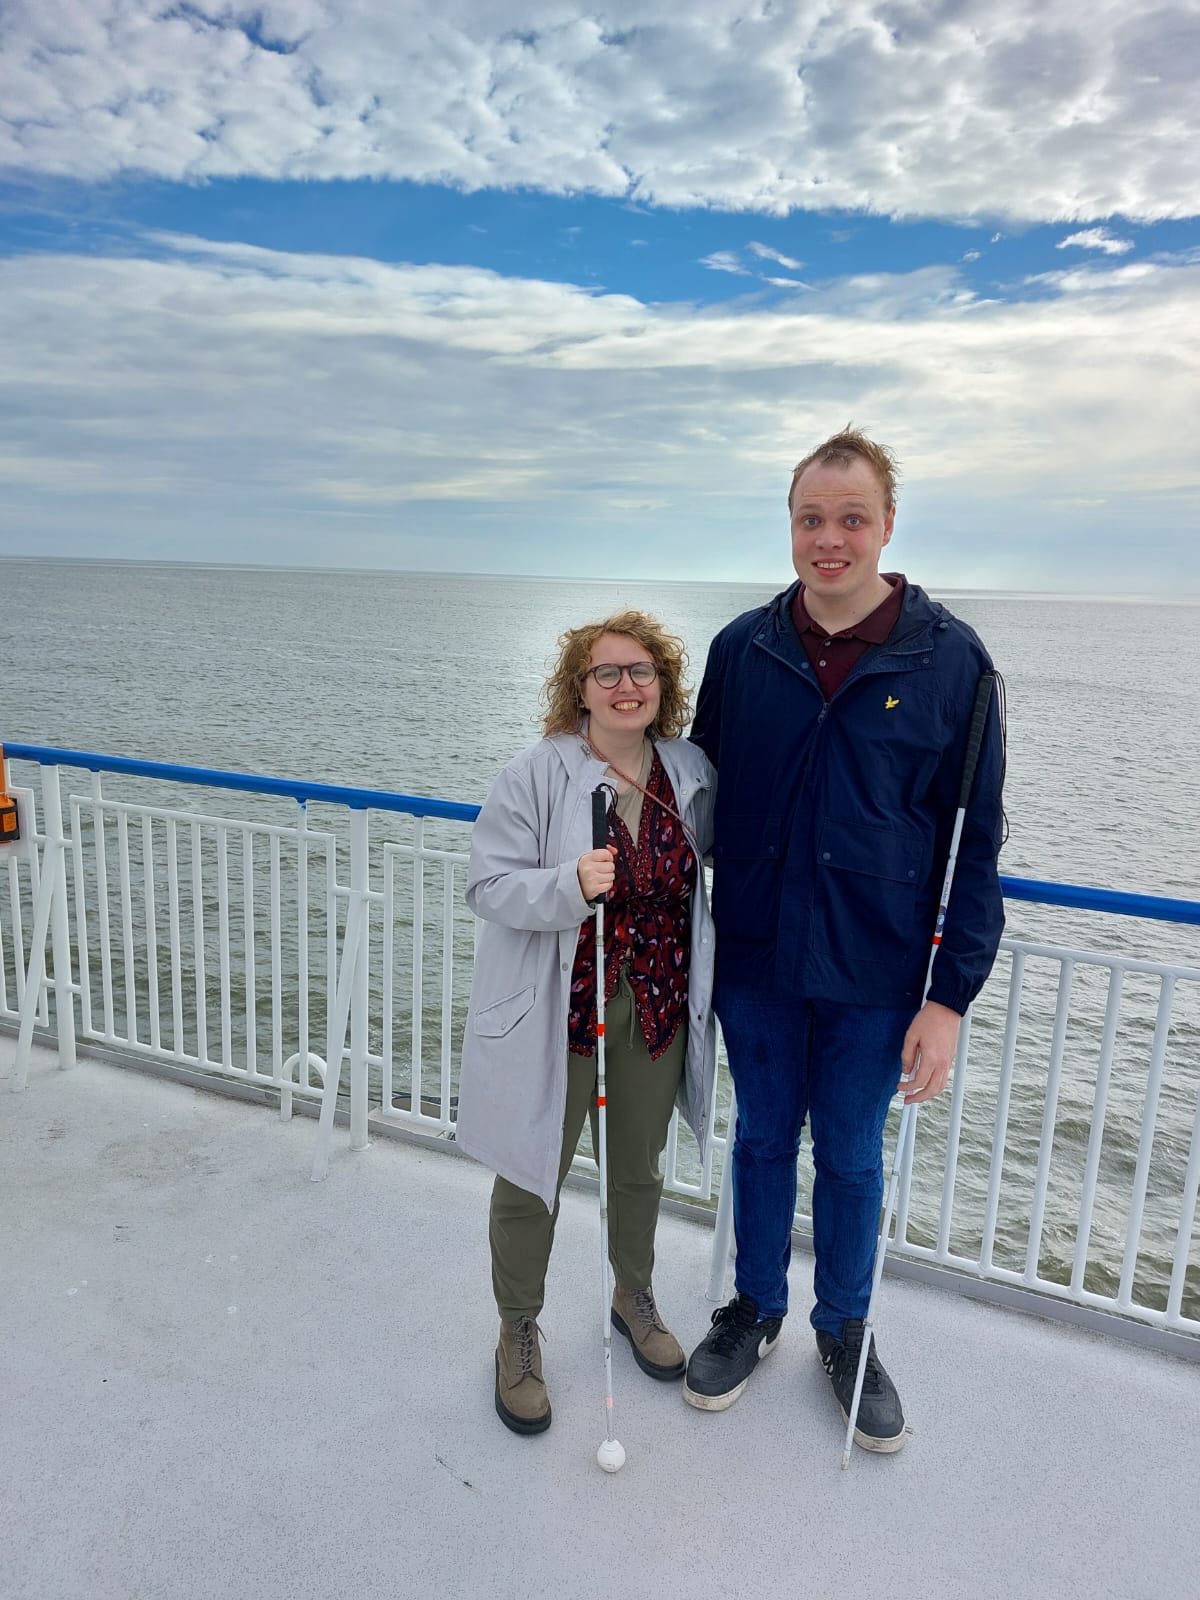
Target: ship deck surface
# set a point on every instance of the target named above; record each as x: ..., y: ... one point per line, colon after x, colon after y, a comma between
x: 222, y: 1379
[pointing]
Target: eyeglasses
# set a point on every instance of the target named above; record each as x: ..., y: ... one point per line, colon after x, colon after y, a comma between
x: 608, y: 674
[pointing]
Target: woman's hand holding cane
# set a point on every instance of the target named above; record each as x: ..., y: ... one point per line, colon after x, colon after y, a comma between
x: 597, y: 873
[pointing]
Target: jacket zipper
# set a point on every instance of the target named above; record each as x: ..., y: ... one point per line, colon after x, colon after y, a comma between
x: 871, y: 663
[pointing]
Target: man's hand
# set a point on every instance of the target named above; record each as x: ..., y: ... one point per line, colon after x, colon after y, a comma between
x: 928, y: 1052
x: 597, y: 872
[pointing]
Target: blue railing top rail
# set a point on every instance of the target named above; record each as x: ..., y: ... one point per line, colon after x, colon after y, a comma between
x: 1158, y: 908
x: 301, y: 790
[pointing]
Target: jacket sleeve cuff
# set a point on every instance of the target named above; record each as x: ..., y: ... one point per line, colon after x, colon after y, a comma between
x: 953, y: 993
x: 570, y: 894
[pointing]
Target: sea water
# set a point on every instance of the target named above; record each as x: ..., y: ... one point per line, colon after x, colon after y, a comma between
x: 426, y: 684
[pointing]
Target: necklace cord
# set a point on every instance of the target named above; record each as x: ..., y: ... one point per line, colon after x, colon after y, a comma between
x: 600, y: 756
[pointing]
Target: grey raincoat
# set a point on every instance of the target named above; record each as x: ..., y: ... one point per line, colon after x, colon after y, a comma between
x: 522, y: 881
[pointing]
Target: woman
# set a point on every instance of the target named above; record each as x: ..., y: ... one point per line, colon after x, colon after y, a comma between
x: 616, y: 707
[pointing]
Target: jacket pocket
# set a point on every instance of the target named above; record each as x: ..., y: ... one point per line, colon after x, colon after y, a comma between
x: 748, y: 838
x: 747, y: 862
x: 871, y: 912
x: 501, y: 1016
x: 874, y: 849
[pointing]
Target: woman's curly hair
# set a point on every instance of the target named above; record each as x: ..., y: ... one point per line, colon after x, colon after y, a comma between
x: 563, y: 690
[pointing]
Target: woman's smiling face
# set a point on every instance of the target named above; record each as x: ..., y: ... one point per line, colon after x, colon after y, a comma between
x: 628, y: 708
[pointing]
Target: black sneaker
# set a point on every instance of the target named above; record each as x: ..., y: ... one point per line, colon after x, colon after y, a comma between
x: 722, y: 1362
x: 880, y: 1421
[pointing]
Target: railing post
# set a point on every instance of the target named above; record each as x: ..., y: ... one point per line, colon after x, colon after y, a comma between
x: 722, y: 1245
x: 415, y: 1084
x: 60, y: 930
x: 1041, y: 1182
x: 302, y: 1059
x: 346, y: 997
x: 1141, y: 1176
x: 51, y: 884
x: 360, y: 907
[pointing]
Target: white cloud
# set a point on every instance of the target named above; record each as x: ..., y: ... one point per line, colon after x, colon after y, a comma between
x: 213, y: 401
x: 1096, y: 239
x: 767, y: 254
x: 972, y: 255
x: 731, y: 261
x: 1038, y: 110
x: 725, y: 261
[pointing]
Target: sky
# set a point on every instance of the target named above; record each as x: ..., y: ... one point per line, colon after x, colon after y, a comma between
x: 475, y: 286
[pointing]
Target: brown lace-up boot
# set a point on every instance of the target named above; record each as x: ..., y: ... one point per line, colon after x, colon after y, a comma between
x: 522, y: 1403
x: 655, y: 1349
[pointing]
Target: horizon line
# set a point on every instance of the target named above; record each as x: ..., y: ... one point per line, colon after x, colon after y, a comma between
x: 1001, y: 592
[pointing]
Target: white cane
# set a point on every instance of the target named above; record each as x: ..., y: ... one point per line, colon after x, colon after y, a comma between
x: 907, y: 1128
x: 611, y: 1454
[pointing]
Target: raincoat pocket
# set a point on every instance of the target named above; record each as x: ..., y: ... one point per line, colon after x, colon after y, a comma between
x: 501, y: 1016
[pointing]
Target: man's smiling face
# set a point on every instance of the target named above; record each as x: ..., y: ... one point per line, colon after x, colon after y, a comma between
x: 840, y: 525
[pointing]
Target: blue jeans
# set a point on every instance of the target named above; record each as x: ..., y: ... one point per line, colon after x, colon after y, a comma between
x: 838, y: 1066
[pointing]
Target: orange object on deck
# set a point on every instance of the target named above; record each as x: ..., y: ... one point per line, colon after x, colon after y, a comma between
x: 10, y: 819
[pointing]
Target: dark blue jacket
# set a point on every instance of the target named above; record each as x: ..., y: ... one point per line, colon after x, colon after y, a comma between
x: 833, y: 820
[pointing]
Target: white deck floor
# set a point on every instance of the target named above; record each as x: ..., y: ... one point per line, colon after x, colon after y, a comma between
x: 220, y: 1379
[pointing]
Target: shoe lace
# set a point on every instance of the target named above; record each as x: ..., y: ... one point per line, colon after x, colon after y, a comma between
x: 528, y: 1332
x: 847, y: 1358
x: 645, y: 1310
x: 731, y: 1322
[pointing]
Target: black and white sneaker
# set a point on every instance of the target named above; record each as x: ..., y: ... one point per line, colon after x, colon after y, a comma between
x: 722, y: 1362
x: 880, y: 1421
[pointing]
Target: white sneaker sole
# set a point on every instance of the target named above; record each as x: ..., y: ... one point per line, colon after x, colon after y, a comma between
x: 722, y: 1402
x: 713, y: 1402
x: 879, y: 1447
x: 867, y: 1441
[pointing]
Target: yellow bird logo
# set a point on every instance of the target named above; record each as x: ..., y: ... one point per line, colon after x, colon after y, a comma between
x: 889, y: 704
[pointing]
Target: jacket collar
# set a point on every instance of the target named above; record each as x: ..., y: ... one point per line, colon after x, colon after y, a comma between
x: 578, y: 761
x: 683, y: 761
x: 913, y: 632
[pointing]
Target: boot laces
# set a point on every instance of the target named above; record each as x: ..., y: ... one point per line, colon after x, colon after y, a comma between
x: 527, y: 1334
x: 645, y: 1310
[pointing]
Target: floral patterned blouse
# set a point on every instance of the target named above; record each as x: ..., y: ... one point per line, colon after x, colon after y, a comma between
x: 647, y: 926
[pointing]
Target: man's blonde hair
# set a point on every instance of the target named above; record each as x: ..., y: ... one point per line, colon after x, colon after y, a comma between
x: 841, y: 451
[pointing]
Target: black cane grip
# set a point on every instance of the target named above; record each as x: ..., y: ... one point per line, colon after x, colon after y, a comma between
x: 599, y: 818
x: 599, y: 826
x: 983, y: 699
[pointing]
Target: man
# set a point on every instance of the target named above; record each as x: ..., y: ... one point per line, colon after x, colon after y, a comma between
x: 837, y: 719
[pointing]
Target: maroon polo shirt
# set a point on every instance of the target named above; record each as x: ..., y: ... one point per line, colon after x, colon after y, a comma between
x: 833, y: 655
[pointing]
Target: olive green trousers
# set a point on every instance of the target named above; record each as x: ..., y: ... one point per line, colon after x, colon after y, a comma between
x: 640, y: 1095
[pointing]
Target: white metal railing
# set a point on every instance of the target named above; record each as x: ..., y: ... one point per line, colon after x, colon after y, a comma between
x: 1093, y: 1171
x: 259, y: 951
x: 258, y: 948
